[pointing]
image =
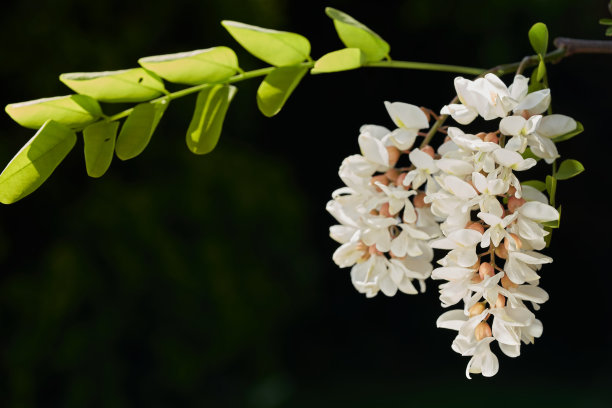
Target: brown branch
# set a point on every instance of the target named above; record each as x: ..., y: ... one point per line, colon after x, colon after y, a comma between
x: 577, y: 46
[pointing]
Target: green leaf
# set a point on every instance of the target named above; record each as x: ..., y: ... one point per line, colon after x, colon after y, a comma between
x: 99, y: 139
x: 207, y: 121
x: 36, y: 161
x: 276, y: 88
x: 537, y: 184
x: 138, y: 128
x: 528, y: 154
x: 554, y: 224
x: 72, y: 110
x: 551, y: 186
x: 194, y: 67
x: 541, y: 69
x: 538, y: 37
x: 278, y: 48
x: 569, y: 168
x: 341, y: 60
x: 356, y: 35
x: 609, y: 32
x: 128, y: 85
x: 605, y: 21
x: 579, y: 129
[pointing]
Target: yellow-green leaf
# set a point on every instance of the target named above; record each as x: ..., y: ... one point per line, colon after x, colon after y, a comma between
x: 278, y: 48
x: 99, y: 140
x: 538, y: 37
x: 138, y: 128
x: 356, y: 35
x: 128, y: 85
x: 35, y: 162
x: 568, y: 169
x: 194, y: 67
x: 341, y: 60
x: 541, y: 69
x: 207, y: 121
x: 72, y: 110
x: 276, y: 88
x: 537, y: 184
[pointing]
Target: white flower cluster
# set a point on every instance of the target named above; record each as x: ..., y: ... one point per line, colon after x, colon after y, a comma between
x: 385, y: 225
x: 471, y: 203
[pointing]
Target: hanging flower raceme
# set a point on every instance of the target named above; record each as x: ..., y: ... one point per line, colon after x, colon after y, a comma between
x: 465, y: 199
x: 385, y: 224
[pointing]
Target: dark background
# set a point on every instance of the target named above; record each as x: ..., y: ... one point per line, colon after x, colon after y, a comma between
x: 181, y: 280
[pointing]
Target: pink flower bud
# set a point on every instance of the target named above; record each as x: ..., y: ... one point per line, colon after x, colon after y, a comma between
x: 486, y: 270
x: 429, y: 150
x: 482, y: 330
x: 384, y: 210
x: 392, y: 174
x: 400, y: 181
x: 394, y: 155
x: 517, y: 242
x: 476, y: 226
x: 514, y: 203
x: 491, y: 137
x: 501, y: 252
x: 507, y: 283
x: 477, y: 309
x: 381, y: 179
x: 419, y: 201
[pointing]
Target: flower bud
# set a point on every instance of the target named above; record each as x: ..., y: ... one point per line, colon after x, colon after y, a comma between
x: 476, y: 226
x: 501, y: 301
x: 384, y: 210
x: 486, y: 270
x: 491, y: 137
x: 400, y: 181
x: 477, y: 309
x: 482, y: 330
x: 516, y: 241
x: 429, y: 150
x: 392, y: 174
x: 511, y: 191
x: 507, y: 283
x: 394, y: 155
x: 501, y: 252
x: 382, y: 179
x: 514, y: 203
x: 525, y: 114
x: 419, y: 201
x: 481, y: 135
x: 373, y: 251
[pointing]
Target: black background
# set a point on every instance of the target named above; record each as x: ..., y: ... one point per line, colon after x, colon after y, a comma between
x: 180, y: 280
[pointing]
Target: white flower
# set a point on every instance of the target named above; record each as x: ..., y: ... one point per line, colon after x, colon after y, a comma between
x: 487, y: 97
x: 462, y: 244
x: 521, y: 266
x: 425, y: 167
x: 409, y: 120
x: 483, y: 360
x: 497, y: 228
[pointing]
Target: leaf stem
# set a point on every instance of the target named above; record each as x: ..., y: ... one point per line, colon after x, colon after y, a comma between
x: 425, y: 66
x: 197, y: 88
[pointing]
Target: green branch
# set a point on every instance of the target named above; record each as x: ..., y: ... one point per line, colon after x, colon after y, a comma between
x: 426, y: 66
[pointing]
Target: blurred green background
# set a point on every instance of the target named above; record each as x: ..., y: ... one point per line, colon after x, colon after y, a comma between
x: 179, y: 280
